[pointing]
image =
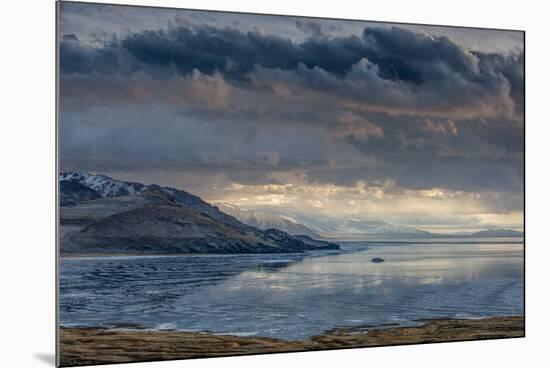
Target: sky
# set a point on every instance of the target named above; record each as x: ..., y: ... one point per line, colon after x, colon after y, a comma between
x: 412, y: 125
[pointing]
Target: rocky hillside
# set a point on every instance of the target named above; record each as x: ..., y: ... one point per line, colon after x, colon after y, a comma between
x: 72, y: 192
x: 171, y: 230
x: 103, y: 186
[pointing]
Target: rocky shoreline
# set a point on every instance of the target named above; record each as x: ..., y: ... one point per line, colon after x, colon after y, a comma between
x: 87, y: 345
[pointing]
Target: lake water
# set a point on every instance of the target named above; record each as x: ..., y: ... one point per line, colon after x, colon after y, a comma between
x: 295, y: 296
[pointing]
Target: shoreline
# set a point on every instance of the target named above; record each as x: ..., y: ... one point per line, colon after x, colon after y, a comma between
x: 120, y: 255
x: 93, y: 345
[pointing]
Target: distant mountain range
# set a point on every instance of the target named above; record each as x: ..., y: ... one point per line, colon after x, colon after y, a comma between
x: 264, y: 220
x: 350, y: 228
x: 497, y: 233
x: 103, y: 215
x: 373, y: 228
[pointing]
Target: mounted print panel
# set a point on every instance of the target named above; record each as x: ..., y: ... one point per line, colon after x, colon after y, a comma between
x: 235, y: 184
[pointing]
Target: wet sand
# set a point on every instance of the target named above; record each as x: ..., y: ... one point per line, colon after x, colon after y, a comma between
x: 86, y: 345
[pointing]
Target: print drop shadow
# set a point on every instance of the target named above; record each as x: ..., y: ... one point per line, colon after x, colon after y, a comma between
x: 47, y: 358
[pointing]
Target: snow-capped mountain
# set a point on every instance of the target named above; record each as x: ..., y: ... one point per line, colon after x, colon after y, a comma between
x: 76, y: 186
x: 264, y: 220
x: 103, y: 185
x: 358, y: 228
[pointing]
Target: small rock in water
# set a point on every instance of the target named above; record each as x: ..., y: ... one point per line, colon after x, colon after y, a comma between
x: 377, y: 260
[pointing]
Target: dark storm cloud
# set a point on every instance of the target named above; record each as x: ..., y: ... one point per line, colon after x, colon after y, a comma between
x: 473, y: 154
x: 117, y: 138
x: 512, y: 68
x: 438, y: 60
x: 70, y: 37
x: 451, y: 173
x: 209, y: 49
x: 425, y: 138
x: 182, y: 50
x: 394, y: 69
x: 77, y: 57
x: 399, y: 53
x: 310, y: 28
x: 409, y: 51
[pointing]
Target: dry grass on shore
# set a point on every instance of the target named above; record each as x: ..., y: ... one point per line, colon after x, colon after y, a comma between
x: 83, y: 346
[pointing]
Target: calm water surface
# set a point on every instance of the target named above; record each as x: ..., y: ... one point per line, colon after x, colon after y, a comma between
x: 295, y: 296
